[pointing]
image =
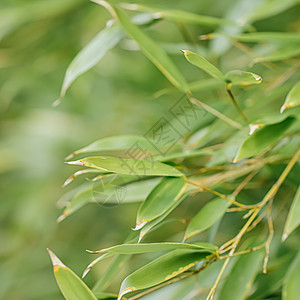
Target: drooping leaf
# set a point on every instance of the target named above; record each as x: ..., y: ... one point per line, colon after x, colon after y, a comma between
x: 207, y: 216
x: 160, y: 199
x: 180, y: 16
x: 291, y: 286
x: 161, y: 269
x: 263, y: 138
x: 157, y: 221
x: 237, y: 77
x: 148, y: 47
x: 71, y: 286
x: 91, y: 54
x: 132, y: 167
x: 293, y: 98
x: 200, y: 62
x: 115, y: 143
x: 153, y: 247
x: 239, y: 281
x: 293, y: 219
x: 112, y: 190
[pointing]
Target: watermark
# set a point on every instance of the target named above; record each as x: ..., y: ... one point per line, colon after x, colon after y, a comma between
x: 139, y: 159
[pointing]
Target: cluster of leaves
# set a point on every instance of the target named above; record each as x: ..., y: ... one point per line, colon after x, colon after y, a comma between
x: 242, y: 154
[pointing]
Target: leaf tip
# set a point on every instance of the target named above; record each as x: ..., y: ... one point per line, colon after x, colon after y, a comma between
x: 139, y: 226
x: 126, y: 291
x: 284, y: 237
x: 283, y: 108
x: 75, y: 162
x: 57, y: 102
x: 55, y: 260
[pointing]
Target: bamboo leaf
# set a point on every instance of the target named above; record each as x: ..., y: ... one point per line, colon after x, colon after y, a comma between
x: 161, y: 269
x: 153, y: 247
x: 114, y: 190
x: 200, y: 62
x: 238, y: 283
x: 293, y: 98
x: 207, y: 216
x: 263, y: 138
x: 150, y: 48
x: 293, y: 219
x: 71, y: 286
x: 180, y: 16
x: 160, y: 199
x: 237, y: 77
x: 156, y: 222
x: 133, y: 167
x: 279, y: 37
x: 291, y: 287
x: 91, y: 54
x: 114, y: 143
x: 280, y: 54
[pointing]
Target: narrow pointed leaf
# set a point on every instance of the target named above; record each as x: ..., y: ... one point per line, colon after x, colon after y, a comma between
x: 293, y: 98
x: 128, y: 166
x: 207, y: 216
x: 118, y: 190
x: 160, y: 199
x: 91, y: 54
x: 161, y: 269
x: 71, y: 286
x: 153, y: 247
x: 293, y: 219
x: 200, y: 62
x: 157, y: 221
x: 150, y: 48
x: 237, y: 77
x: 279, y: 37
x: 238, y: 283
x: 115, y: 143
x: 291, y: 286
x: 263, y: 138
x: 181, y: 16
x: 280, y: 54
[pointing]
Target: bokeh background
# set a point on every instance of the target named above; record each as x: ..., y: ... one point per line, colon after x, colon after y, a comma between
x: 38, y: 41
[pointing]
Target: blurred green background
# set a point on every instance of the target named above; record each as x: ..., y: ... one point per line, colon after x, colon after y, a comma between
x: 38, y: 41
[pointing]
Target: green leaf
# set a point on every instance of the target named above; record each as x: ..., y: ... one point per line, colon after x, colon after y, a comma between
x: 114, y: 143
x: 293, y: 219
x: 153, y: 247
x: 160, y: 199
x: 263, y: 138
x: 180, y: 16
x: 279, y: 37
x: 150, y: 48
x: 280, y: 54
x: 127, y: 166
x: 161, y: 269
x: 91, y: 54
x: 156, y: 222
x: 71, y: 286
x: 239, y: 281
x: 200, y: 62
x: 269, y: 8
x: 293, y: 98
x: 237, y: 77
x: 111, y: 190
x: 207, y: 216
x: 291, y: 286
